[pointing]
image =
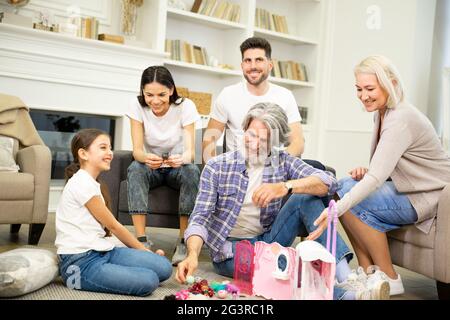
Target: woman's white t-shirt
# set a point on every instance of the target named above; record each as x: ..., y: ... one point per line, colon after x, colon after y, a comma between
x: 164, y: 134
x: 77, y: 230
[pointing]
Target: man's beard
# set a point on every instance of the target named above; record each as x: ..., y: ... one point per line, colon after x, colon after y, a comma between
x: 257, y: 158
x: 257, y: 82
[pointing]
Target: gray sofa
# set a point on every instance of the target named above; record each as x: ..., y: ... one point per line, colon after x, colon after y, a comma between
x: 427, y: 254
x: 163, y: 200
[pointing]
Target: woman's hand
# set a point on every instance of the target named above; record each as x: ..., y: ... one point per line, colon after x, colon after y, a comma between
x: 267, y: 192
x: 175, y: 161
x: 322, y: 223
x: 153, y: 161
x: 358, y: 173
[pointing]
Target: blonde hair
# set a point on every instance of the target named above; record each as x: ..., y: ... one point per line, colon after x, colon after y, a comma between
x: 387, y: 75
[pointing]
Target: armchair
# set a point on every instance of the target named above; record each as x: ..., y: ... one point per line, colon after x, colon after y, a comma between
x: 24, y: 195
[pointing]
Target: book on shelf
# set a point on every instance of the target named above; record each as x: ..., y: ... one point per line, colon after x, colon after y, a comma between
x: 269, y: 21
x: 183, y: 51
x: 289, y: 70
x: 196, y: 6
x: 86, y: 27
x: 111, y: 38
x: 220, y: 9
x: 198, y: 55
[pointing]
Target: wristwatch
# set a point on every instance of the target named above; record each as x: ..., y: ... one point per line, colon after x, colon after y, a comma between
x: 288, y: 186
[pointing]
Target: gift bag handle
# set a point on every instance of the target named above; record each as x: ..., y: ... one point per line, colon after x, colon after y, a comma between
x: 332, y: 222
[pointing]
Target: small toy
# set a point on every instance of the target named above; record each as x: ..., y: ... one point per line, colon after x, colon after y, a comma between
x: 234, y: 290
x: 201, y: 287
x: 182, y: 295
x: 222, y: 294
x: 190, y: 280
x: 218, y: 286
x: 244, y: 266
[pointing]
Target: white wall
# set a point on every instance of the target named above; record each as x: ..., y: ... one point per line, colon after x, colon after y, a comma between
x: 440, y: 60
x: 401, y: 30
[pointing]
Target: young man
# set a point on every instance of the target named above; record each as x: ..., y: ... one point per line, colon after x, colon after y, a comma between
x: 240, y: 197
x: 234, y: 101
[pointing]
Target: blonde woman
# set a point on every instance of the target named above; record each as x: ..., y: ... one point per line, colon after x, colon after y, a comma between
x: 407, y: 172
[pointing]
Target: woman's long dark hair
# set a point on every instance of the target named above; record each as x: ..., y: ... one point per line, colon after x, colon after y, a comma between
x: 83, y: 140
x: 162, y: 76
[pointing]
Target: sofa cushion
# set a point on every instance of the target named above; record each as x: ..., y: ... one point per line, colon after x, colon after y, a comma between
x: 410, y: 234
x: 26, y: 270
x: 16, y: 186
x: 162, y: 200
x: 8, y: 151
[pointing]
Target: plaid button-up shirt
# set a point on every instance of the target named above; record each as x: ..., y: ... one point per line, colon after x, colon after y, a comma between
x: 222, y: 189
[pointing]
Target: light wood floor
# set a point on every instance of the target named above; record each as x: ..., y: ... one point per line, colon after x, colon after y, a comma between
x: 417, y: 286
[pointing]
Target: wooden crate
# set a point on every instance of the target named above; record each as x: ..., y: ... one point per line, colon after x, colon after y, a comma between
x: 183, y: 92
x: 202, y: 100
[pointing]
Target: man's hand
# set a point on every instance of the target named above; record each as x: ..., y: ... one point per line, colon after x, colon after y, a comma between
x: 175, y: 161
x: 358, y: 173
x: 267, y: 192
x: 153, y: 161
x: 186, y: 268
x: 322, y: 223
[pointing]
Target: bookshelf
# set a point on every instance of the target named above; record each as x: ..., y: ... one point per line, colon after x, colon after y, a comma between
x: 203, y: 19
x: 221, y: 38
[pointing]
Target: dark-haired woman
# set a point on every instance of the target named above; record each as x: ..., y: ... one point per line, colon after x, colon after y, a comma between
x: 162, y: 132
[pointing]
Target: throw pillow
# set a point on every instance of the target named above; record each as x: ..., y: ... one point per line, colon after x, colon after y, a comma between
x: 25, y: 270
x: 7, y: 162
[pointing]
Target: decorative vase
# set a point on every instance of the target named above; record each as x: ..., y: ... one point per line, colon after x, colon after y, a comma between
x: 129, y: 16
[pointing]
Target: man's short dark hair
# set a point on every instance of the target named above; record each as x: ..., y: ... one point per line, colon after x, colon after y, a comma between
x: 256, y: 43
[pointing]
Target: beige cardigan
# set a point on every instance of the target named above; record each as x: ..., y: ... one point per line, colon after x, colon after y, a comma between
x: 15, y: 121
x: 410, y: 152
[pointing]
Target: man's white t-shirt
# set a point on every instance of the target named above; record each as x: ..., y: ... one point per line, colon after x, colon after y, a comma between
x: 77, y: 230
x: 233, y: 103
x: 248, y: 222
x: 164, y: 134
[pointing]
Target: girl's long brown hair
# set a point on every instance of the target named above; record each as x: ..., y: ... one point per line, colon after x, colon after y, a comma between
x: 83, y: 140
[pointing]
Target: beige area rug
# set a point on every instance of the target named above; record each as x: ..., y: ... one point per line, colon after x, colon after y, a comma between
x: 58, y: 291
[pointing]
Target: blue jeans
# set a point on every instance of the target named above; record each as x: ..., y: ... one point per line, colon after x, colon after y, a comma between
x: 385, y: 209
x: 295, y: 217
x: 121, y: 271
x: 141, y: 179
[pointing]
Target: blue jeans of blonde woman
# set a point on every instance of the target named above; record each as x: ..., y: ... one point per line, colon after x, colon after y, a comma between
x: 120, y: 271
x: 141, y: 179
x: 296, y: 217
x: 385, y: 209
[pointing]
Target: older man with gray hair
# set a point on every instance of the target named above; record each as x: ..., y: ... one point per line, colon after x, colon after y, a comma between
x: 240, y: 196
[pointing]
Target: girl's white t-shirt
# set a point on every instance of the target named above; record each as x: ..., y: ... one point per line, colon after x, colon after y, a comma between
x: 164, y: 134
x: 77, y: 230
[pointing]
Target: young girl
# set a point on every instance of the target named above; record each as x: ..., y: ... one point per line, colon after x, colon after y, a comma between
x: 162, y: 131
x: 88, y: 261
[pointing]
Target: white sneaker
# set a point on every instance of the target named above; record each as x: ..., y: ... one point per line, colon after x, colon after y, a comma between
x: 356, y: 281
x: 375, y: 288
x: 395, y: 285
x: 377, y: 291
